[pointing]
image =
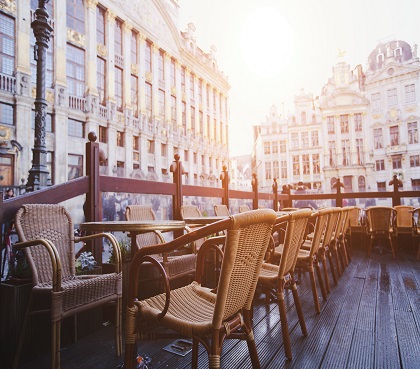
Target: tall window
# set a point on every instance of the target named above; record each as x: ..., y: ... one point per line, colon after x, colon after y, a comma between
x: 359, y: 150
x: 6, y: 114
x: 415, y: 161
x: 413, y: 137
x: 331, y: 153
x: 344, y: 123
x: 376, y: 101
x: 207, y: 95
x: 396, y: 162
x: 410, y: 93
x: 148, y: 99
x: 305, y: 139
x: 118, y: 35
x: 161, y: 66
x: 268, y: 170
x: 380, y: 165
x: 173, y: 73
x: 330, y: 124
x: 7, y: 45
x: 134, y: 52
x: 305, y: 164
x: 184, y: 118
x: 183, y: 79
x: 173, y: 111
x: 192, y: 87
x: 120, y: 139
x: 75, y: 128
x: 358, y: 122
x: 135, y: 95
x: 119, y: 88
x: 345, y: 144
x: 75, y: 71
x: 394, y: 135
x: 316, y: 164
x: 296, y: 165
x: 303, y: 117
x: 275, y: 148
x: 161, y: 102
x: 163, y: 149
x: 192, y: 119
x: 148, y: 57
x: 150, y: 146
x: 276, y: 172
x: 283, y: 146
x: 266, y: 147
x: 101, y: 79
x: 314, y: 138
x: 76, y: 15
x: 392, y: 97
x: 283, y: 169
x: 378, y: 139
x: 295, y: 140
x: 103, y: 137
x: 208, y: 126
x: 75, y: 166
x: 100, y: 25
x: 200, y: 91
x: 201, y: 123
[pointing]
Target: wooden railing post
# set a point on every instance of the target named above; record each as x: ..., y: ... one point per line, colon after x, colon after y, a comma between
x: 224, y: 177
x: 92, y: 206
x: 396, y: 183
x: 177, y: 170
x: 276, y: 195
x: 339, y: 196
x: 254, y: 183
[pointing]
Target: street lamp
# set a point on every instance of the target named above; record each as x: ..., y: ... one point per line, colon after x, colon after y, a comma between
x: 38, y: 176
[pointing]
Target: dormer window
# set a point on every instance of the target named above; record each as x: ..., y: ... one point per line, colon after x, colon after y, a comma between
x: 398, y: 53
x: 380, y: 58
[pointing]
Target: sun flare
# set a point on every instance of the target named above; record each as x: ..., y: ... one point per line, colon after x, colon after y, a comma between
x: 266, y: 42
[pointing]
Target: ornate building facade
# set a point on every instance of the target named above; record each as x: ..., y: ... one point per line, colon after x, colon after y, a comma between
x: 363, y: 128
x: 123, y: 70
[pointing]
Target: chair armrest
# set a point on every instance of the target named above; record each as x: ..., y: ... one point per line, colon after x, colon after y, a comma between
x: 111, y: 238
x: 54, y: 256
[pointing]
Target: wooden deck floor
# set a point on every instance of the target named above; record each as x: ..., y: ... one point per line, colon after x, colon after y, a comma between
x: 371, y: 319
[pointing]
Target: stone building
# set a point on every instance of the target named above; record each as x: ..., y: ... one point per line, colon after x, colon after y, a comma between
x: 124, y: 70
x: 363, y: 128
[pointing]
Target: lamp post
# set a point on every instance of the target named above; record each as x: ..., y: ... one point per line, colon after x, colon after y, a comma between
x: 38, y: 176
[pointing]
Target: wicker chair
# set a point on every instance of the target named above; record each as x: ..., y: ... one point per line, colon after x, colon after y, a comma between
x: 307, y: 257
x: 416, y: 229
x: 207, y: 316
x: 175, y: 266
x: 221, y: 210
x: 340, y: 244
x: 274, y: 279
x: 244, y: 208
x: 356, y: 225
x: 47, y: 235
x: 380, y: 226
x: 403, y: 221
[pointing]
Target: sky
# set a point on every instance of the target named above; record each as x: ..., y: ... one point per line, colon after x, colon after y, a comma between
x: 271, y: 49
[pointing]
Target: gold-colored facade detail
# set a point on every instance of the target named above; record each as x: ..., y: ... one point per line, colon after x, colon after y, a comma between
x: 410, y: 109
x: 376, y: 116
x: 101, y: 50
x: 135, y: 69
x: 76, y: 37
x: 50, y: 96
x: 184, y: 97
x: 92, y: 3
x: 127, y: 27
x: 149, y: 77
x: 142, y: 37
x: 33, y: 92
x: 173, y: 90
x: 8, y: 6
x: 5, y: 133
x: 110, y: 16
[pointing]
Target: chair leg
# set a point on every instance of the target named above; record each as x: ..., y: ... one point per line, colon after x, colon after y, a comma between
x: 194, y: 360
x: 252, y: 348
x: 214, y: 354
x: 392, y: 246
x: 314, y: 290
x: 331, y: 263
x: 370, y: 246
x: 321, y: 282
x: 324, y: 269
x: 55, y: 344
x: 296, y: 299
x: 22, y: 335
x: 283, y: 320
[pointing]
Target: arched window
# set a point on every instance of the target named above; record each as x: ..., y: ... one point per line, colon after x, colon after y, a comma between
x: 303, y: 117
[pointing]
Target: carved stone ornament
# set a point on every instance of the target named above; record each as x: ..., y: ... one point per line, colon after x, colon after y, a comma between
x: 8, y: 6
x: 135, y: 69
x: 102, y: 50
x: 50, y: 96
x: 377, y: 116
x: 5, y: 133
x: 76, y: 37
x: 410, y: 109
x: 149, y: 77
x: 173, y: 90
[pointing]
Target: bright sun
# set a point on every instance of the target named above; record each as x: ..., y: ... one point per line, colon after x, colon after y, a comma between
x: 266, y: 42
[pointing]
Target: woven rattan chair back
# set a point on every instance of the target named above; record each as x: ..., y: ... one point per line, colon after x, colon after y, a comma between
x: 354, y: 216
x: 221, y: 210
x: 332, y: 224
x: 51, y: 222
x: 293, y: 239
x: 143, y: 212
x: 190, y: 211
x: 321, y: 220
x: 404, y: 215
x: 244, y: 208
x: 380, y: 218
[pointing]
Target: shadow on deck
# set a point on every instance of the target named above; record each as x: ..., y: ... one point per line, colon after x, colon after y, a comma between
x: 371, y: 319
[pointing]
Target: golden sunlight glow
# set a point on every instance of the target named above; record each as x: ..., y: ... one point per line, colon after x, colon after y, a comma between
x: 266, y: 42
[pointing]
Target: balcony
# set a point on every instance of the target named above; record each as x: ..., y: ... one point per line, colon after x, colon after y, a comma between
x: 396, y: 149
